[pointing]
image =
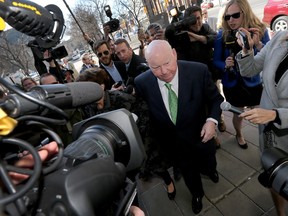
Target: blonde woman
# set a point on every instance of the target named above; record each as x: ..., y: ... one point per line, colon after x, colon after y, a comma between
x: 239, y: 91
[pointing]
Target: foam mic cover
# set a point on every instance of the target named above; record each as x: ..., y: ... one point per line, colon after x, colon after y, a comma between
x: 64, y: 96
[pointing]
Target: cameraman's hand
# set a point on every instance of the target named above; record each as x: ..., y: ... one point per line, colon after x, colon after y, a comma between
x: 86, y: 37
x: 136, y: 211
x: 195, y: 37
x: 160, y: 35
x: 119, y: 88
x: 45, y: 153
x: 106, y: 30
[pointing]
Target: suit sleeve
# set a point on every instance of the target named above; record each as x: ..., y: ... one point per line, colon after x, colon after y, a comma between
x: 213, y: 97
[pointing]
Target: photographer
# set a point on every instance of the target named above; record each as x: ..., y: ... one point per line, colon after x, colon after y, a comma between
x: 191, y: 32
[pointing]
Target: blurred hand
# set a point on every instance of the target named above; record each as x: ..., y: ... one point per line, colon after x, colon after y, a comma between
x: 160, y: 35
x: 86, y: 37
x: 106, y: 30
x: 229, y: 62
x: 250, y: 40
x: 45, y: 153
x: 136, y: 211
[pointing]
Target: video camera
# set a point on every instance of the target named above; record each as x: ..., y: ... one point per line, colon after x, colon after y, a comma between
x: 91, y: 177
x: 184, y: 24
x: 114, y: 24
x: 177, y: 36
x: 275, y: 164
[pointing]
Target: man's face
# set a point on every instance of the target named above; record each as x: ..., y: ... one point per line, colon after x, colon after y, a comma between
x: 163, y: 65
x: 197, y: 27
x: 28, y: 84
x: 123, y: 52
x: 86, y: 59
x: 48, y: 80
x: 104, y: 55
x: 152, y: 32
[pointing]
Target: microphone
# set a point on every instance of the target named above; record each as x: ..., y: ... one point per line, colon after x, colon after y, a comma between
x: 45, y: 23
x: 226, y: 106
x: 64, y: 96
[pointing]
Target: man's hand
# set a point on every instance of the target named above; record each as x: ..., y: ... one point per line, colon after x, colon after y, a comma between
x: 45, y: 153
x: 208, y: 131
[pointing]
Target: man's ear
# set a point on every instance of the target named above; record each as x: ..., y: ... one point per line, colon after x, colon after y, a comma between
x: 174, y: 53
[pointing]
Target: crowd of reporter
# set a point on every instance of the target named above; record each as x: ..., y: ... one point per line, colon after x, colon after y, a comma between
x: 119, y: 65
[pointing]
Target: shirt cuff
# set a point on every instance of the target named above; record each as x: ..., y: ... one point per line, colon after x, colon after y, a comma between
x: 213, y: 120
x: 247, y: 54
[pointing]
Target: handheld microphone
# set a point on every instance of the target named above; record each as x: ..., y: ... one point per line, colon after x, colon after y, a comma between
x: 226, y: 106
x: 64, y: 96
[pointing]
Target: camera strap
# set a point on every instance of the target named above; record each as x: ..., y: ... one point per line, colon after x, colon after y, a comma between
x: 282, y: 68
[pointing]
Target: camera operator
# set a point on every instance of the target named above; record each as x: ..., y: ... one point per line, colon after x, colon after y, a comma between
x: 201, y: 37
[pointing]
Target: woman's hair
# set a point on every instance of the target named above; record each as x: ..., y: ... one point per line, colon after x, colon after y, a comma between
x: 250, y: 20
x: 95, y: 74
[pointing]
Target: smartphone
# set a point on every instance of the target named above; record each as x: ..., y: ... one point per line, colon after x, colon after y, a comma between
x: 118, y: 84
x: 244, y: 40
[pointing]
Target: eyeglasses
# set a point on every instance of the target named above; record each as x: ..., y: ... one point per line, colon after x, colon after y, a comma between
x: 234, y: 16
x: 106, y: 52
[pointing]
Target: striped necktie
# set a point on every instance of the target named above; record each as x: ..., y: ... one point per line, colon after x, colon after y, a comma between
x: 173, y: 102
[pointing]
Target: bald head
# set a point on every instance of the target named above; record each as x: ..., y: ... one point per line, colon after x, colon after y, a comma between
x: 162, y: 60
x: 154, y: 48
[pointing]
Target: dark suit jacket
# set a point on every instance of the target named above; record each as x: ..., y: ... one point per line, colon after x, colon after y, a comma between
x: 134, y: 69
x: 198, y: 99
x: 121, y: 69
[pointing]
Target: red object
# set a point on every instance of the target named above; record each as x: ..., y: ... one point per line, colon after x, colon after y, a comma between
x: 276, y: 14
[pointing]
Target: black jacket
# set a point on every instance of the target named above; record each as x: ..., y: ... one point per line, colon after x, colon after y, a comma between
x: 122, y: 71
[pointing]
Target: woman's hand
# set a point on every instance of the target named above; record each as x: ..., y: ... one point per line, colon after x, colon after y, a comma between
x: 245, y: 51
x: 259, y: 115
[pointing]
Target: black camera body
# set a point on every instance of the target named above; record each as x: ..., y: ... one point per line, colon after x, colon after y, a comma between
x: 184, y: 24
x: 275, y: 164
x: 114, y: 24
x: 177, y: 36
x: 92, y: 176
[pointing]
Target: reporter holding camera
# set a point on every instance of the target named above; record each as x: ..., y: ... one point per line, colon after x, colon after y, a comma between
x: 272, y: 114
x: 238, y: 90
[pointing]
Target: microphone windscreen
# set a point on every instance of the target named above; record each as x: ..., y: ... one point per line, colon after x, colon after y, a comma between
x: 85, y: 92
x: 225, y: 106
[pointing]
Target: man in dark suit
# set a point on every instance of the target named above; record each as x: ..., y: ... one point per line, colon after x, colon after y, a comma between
x: 185, y: 139
x: 135, y: 64
x: 116, y: 70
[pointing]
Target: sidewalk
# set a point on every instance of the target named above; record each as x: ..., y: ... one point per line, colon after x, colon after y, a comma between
x: 237, y: 193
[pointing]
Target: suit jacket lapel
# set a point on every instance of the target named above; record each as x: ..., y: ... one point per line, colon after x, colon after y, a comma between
x: 157, y: 99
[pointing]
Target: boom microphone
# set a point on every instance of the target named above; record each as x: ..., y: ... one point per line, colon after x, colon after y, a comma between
x: 226, y: 106
x: 45, y: 23
x: 64, y: 96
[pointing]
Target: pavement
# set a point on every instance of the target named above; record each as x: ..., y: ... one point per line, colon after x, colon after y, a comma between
x: 238, y: 191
